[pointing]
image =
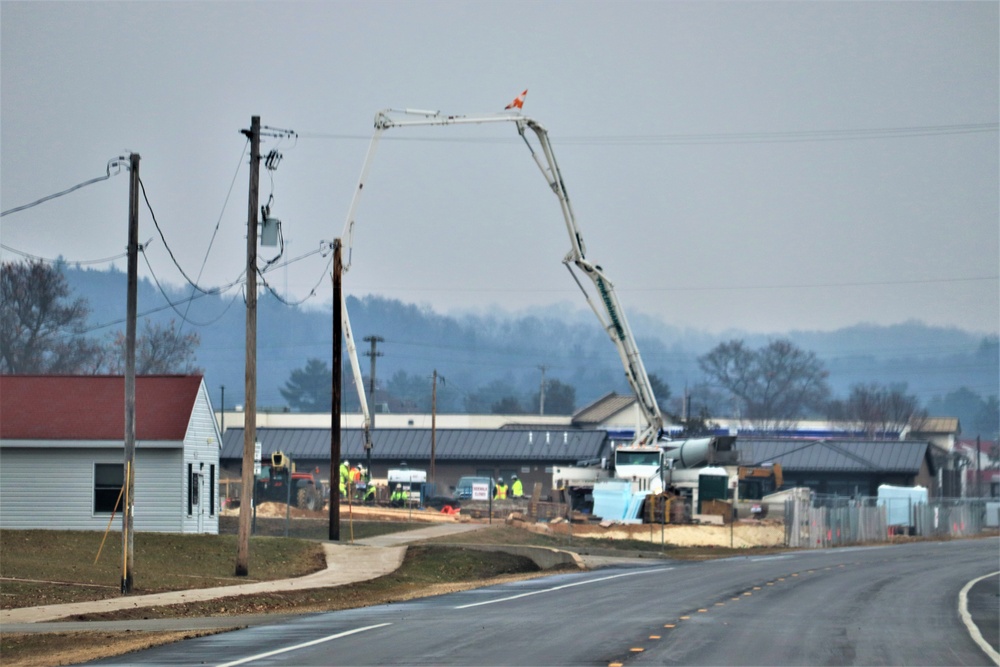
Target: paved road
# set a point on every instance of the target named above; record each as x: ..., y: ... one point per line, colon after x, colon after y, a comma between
x: 865, y: 606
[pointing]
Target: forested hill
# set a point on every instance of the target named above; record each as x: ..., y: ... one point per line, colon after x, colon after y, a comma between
x: 483, y: 356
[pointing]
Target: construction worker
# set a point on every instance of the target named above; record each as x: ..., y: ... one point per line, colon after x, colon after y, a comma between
x: 345, y: 477
x: 516, y: 487
x: 370, y: 492
x: 357, y: 482
x: 398, y: 497
x: 501, y: 491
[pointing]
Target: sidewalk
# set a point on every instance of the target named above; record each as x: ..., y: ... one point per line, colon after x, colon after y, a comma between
x: 345, y: 564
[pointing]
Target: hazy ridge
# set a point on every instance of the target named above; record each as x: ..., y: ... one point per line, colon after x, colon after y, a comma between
x: 472, y: 350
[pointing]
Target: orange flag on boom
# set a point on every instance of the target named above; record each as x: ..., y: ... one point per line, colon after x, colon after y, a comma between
x: 518, y: 102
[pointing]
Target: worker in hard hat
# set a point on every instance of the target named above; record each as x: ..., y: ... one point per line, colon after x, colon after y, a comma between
x: 500, y: 493
x: 516, y: 487
x: 358, y: 482
x: 345, y: 477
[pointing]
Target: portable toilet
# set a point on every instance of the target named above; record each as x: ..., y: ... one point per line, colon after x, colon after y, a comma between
x: 713, y: 484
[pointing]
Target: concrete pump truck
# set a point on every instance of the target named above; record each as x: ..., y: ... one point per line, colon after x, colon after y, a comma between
x: 650, y: 461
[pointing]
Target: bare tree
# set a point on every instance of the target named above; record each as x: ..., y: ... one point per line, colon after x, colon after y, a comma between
x: 41, y: 330
x: 159, y: 350
x: 772, y: 386
x: 880, y: 411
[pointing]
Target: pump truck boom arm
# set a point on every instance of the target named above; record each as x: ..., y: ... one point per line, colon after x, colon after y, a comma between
x: 610, y: 314
x: 352, y: 354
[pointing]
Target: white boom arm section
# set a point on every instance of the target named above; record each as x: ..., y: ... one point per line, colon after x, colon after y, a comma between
x: 352, y: 353
x: 612, y: 317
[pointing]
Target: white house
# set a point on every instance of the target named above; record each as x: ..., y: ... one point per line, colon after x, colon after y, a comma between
x: 62, y: 453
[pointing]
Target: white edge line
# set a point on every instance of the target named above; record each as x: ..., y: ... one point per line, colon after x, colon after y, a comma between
x: 963, y: 610
x: 557, y: 588
x: 261, y: 656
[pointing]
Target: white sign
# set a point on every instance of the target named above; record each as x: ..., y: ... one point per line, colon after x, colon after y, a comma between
x: 480, y: 491
x: 256, y: 459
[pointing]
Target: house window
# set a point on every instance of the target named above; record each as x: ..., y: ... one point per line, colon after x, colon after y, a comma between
x: 108, y: 481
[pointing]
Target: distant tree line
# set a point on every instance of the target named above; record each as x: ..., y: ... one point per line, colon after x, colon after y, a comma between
x: 43, y: 329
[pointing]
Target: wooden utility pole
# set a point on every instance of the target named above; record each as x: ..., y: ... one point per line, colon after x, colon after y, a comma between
x: 434, y: 394
x: 250, y: 399
x: 128, y: 553
x: 374, y: 340
x: 541, y: 391
x: 338, y: 270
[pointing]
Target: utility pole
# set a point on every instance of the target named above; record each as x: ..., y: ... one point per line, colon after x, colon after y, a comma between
x: 374, y: 340
x: 434, y: 394
x: 338, y: 271
x: 979, y: 467
x: 250, y: 400
x: 541, y: 391
x: 128, y: 552
x: 222, y: 425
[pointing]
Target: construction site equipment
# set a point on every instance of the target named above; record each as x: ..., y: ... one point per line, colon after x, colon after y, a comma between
x: 650, y: 460
x: 755, y: 482
x: 279, y: 481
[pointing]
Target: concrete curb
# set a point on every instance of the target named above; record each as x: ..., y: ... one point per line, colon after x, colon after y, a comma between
x: 544, y: 557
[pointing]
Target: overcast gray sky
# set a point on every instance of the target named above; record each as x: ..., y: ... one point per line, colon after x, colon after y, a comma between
x: 759, y: 166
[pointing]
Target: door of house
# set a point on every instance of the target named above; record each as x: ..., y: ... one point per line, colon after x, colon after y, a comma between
x: 196, y: 492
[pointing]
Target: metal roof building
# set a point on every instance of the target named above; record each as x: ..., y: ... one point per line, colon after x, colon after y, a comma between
x: 496, y: 453
x: 845, y: 467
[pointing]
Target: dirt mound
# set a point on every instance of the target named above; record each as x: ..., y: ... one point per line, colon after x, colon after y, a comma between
x: 361, y: 512
x: 741, y: 535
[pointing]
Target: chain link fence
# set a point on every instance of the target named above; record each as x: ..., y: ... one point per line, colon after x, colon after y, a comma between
x: 816, y: 523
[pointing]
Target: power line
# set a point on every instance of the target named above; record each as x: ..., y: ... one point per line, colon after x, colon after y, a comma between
x: 116, y: 163
x: 184, y: 315
x: 62, y: 260
x: 705, y: 138
x: 167, y: 245
x: 218, y: 222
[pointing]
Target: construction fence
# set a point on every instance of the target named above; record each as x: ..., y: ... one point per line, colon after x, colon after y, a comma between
x: 827, y: 522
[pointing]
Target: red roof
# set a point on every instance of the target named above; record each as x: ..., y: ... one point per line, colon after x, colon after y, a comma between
x: 92, y: 407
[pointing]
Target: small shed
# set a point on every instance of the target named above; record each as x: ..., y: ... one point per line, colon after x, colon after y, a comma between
x: 62, y: 453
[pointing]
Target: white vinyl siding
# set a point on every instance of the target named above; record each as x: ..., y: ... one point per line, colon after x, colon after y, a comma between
x: 63, y: 497
x: 201, y: 449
